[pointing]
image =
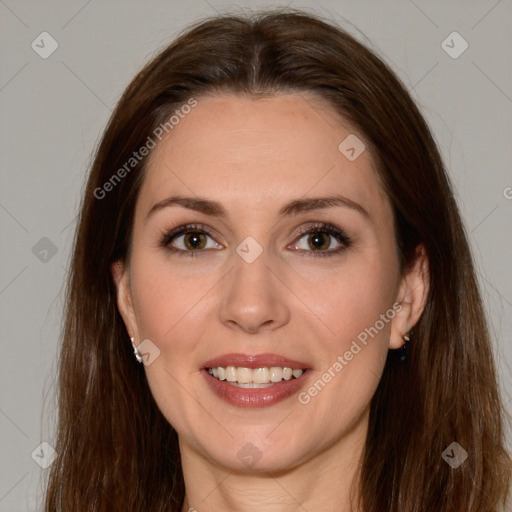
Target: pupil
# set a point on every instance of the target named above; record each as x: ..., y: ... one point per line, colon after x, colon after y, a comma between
x: 194, y: 240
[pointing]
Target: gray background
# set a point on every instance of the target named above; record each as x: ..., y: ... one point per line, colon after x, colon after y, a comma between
x: 53, y: 112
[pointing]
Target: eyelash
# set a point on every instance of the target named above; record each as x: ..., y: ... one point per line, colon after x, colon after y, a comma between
x: 321, y: 227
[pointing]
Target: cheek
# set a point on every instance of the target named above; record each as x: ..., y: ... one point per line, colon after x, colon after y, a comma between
x: 166, y: 299
x: 350, y: 299
x: 170, y: 308
x: 355, y: 304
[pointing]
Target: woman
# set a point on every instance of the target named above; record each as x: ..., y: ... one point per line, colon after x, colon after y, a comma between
x: 272, y: 304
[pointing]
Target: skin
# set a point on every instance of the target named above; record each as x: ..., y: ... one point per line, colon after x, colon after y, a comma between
x: 253, y: 156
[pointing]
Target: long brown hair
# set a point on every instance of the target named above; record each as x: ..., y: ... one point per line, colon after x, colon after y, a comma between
x: 116, y: 451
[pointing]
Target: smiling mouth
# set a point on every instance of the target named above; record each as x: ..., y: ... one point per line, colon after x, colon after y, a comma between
x: 262, y: 377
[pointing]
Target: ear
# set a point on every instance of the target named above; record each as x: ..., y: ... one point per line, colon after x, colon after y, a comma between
x: 121, y: 275
x: 412, y: 296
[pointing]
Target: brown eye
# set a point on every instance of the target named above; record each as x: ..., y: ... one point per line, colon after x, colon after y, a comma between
x: 191, y: 239
x: 319, y: 241
x: 322, y: 240
x: 194, y: 240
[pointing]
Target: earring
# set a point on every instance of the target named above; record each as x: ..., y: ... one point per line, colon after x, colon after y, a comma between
x: 138, y: 355
x: 402, y: 351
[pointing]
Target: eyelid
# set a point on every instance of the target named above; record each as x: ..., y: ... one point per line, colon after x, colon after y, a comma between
x: 323, y: 227
x: 169, y: 235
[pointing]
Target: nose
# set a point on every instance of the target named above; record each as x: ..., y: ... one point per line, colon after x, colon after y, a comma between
x: 253, y: 297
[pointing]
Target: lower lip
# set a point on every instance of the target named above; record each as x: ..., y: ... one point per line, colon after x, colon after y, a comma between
x: 254, y: 397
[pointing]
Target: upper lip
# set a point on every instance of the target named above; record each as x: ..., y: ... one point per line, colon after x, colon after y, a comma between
x: 254, y: 361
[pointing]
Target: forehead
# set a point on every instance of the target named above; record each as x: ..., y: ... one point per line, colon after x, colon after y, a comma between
x: 254, y: 152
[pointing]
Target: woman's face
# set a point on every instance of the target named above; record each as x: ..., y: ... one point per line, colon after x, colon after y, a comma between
x: 263, y: 254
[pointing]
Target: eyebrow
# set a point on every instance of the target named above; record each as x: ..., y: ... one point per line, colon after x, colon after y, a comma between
x: 294, y: 207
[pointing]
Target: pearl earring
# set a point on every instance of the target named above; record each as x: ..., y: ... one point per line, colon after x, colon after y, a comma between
x: 138, y: 355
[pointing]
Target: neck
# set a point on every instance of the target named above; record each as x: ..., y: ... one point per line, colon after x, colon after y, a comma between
x: 328, y: 481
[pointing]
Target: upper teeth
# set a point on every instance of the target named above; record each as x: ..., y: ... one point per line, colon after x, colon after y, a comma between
x: 264, y: 375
